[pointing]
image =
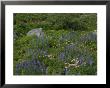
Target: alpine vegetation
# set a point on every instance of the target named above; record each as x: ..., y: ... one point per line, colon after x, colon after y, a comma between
x: 55, y: 44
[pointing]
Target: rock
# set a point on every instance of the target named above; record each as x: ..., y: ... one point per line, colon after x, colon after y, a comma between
x: 92, y: 36
x: 38, y: 32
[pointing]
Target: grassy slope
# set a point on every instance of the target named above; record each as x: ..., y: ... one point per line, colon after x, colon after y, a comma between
x: 61, y: 30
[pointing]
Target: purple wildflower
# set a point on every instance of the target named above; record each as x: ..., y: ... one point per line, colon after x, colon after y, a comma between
x: 62, y: 56
x: 90, y: 61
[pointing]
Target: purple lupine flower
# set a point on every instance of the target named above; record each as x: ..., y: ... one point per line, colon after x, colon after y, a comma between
x: 27, y: 66
x: 45, y: 53
x: 24, y: 65
x: 18, y: 66
x: 39, y: 63
x: 90, y: 61
x: 34, y: 62
x: 62, y: 56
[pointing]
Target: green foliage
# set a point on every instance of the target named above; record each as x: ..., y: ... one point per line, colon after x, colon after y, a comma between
x: 21, y: 45
x: 54, y: 21
x: 64, y: 41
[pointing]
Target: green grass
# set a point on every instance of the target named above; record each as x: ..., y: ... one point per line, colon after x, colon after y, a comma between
x: 61, y: 31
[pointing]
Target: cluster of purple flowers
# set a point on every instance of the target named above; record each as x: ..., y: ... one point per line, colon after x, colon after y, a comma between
x: 30, y: 67
x: 71, y: 51
x: 90, y: 61
x: 62, y: 55
x: 68, y: 52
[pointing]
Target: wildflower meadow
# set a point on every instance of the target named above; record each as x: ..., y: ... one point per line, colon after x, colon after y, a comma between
x: 55, y: 44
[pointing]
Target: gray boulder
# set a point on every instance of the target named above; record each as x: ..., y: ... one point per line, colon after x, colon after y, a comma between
x: 90, y: 36
x: 38, y: 32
